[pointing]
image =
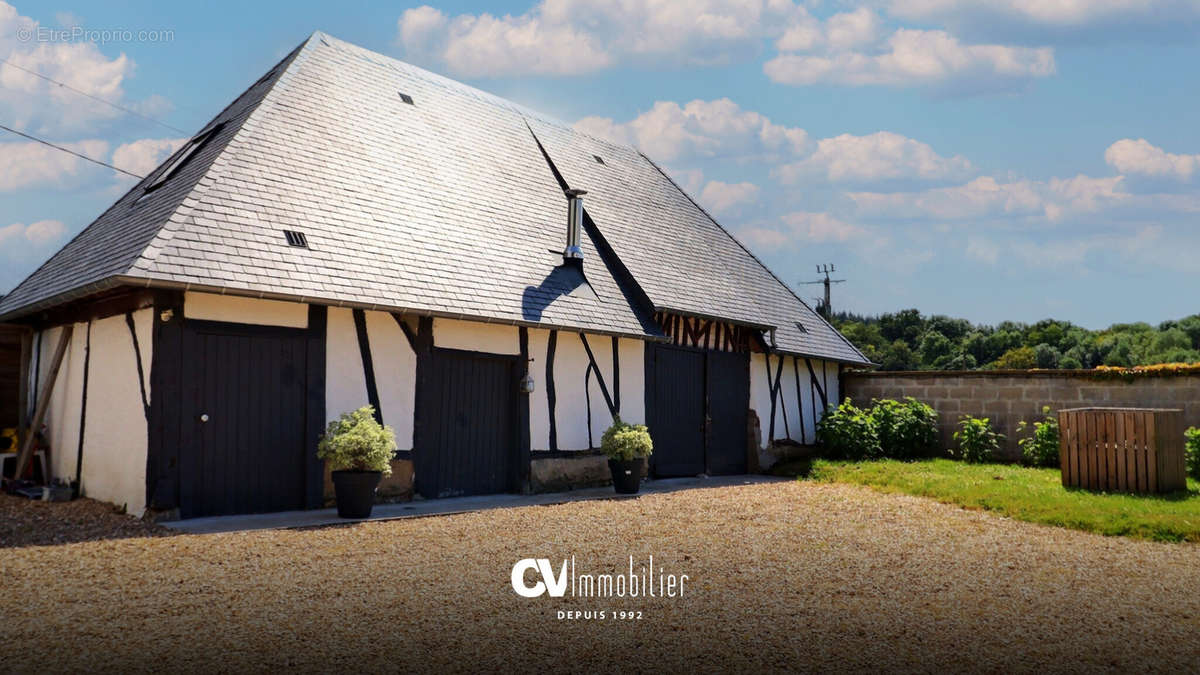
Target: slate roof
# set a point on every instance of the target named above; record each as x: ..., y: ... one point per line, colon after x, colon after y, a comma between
x: 444, y: 206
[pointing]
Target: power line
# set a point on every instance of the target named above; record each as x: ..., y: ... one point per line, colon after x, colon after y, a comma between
x: 72, y: 152
x: 94, y: 98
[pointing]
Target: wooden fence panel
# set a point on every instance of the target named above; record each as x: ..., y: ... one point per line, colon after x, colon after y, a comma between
x: 1122, y: 449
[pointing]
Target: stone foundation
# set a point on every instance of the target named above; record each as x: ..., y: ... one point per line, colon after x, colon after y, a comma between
x: 559, y: 473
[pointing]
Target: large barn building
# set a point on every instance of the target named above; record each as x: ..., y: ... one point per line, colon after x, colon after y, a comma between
x: 353, y: 229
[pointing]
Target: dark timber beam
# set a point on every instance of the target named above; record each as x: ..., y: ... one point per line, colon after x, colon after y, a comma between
x: 87, y: 362
x: 368, y: 364
x: 551, y: 343
x: 43, y: 402
x: 137, y: 356
x: 408, y: 331
x: 608, y: 400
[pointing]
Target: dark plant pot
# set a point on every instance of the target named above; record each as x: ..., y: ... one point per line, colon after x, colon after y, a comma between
x: 627, y: 474
x: 355, y: 491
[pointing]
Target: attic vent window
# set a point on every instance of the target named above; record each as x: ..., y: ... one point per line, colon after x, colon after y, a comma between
x: 406, y: 98
x: 599, y: 159
x: 296, y: 239
x: 801, y: 327
x: 181, y: 158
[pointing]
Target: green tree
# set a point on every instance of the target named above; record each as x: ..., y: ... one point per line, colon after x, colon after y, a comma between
x: 1020, y: 358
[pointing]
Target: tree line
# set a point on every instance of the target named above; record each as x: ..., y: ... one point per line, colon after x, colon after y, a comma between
x: 909, y: 340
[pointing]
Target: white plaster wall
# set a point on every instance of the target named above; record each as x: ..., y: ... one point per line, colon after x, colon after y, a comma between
x: 345, y: 385
x: 62, y: 415
x: 476, y: 336
x: 633, y: 379
x: 395, y: 366
x: 760, y: 396
x: 539, y: 411
x: 234, y: 309
x: 570, y: 368
x: 115, y: 441
x: 115, y: 433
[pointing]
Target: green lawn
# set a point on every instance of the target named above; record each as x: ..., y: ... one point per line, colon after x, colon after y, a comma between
x: 1034, y: 495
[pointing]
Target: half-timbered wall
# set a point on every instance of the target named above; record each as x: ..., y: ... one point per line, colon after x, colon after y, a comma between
x: 803, y: 389
x: 690, y: 331
x: 99, y: 402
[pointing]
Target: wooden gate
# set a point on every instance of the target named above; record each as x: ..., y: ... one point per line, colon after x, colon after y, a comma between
x: 676, y: 410
x: 242, y: 446
x: 1122, y: 449
x: 697, y: 405
x: 468, y: 441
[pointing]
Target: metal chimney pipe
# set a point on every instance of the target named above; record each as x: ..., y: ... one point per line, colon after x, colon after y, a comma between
x: 572, y: 252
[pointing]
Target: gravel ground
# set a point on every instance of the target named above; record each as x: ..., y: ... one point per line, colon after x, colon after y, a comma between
x: 781, y: 576
x: 36, y: 523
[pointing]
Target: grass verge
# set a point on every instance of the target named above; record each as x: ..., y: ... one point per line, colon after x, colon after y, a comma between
x: 1023, y: 493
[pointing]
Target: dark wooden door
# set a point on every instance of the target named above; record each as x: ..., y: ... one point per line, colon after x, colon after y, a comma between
x: 468, y: 442
x: 728, y: 407
x: 677, y: 411
x: 243, y: 420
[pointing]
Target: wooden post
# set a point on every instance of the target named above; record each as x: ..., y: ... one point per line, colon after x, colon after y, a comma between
x: 23, y: 382
x: 43, y: 401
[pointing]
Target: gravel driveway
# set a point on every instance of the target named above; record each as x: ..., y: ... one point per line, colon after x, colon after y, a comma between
x: 781, y: 576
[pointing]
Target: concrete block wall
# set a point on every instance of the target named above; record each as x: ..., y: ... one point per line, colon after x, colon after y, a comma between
x: 1007, y: 397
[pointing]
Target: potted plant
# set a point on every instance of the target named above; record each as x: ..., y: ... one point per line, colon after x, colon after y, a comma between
x: 627, y: 447
x: 359, y: 451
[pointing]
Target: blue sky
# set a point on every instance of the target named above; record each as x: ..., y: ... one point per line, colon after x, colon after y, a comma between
x: 996, y: 159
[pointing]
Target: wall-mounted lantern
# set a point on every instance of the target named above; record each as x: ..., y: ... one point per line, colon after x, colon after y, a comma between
x: 527, y: 384
x: 167, y: 315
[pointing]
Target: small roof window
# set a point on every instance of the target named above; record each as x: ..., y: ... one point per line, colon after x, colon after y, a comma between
x: 406, y: 98
x: 801, y: 327
x: 181, y: 158
x: 599, y: 159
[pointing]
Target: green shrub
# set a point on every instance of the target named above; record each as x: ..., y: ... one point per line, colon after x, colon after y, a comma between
x: 906, y: 429
x: 1192, y: 450
x: 356, y: 442
x: 1040, y: 449
x: 848, y: 432
x: 626, y: 441
x: 976, y: 440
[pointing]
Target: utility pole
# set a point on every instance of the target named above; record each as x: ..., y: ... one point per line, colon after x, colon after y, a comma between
x: 826, y: 308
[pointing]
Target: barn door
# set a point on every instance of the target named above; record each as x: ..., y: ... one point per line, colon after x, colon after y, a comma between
x: 468, y: 440
x: 677, y: 411
x: 728, y: 407
x: 243, y: 444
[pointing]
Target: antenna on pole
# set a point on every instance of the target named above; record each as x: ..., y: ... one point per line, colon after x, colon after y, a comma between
x: 826, y: 308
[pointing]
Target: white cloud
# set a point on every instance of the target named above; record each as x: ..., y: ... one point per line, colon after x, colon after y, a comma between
x: 26, y: 165
x: 879, y: 156
x: 562, y: 37
x: 38, y: 234
x: 1141, y: 157
x: 723, y: 130
x: 30, y: 102
x: 983, y: 250
x: 800, y: 228
x: 1031, y: 20
x: 709, y: 129
x: 721, y: 197
x: 931, y: 58
x: 143, y: 156
x: 985, y: 197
